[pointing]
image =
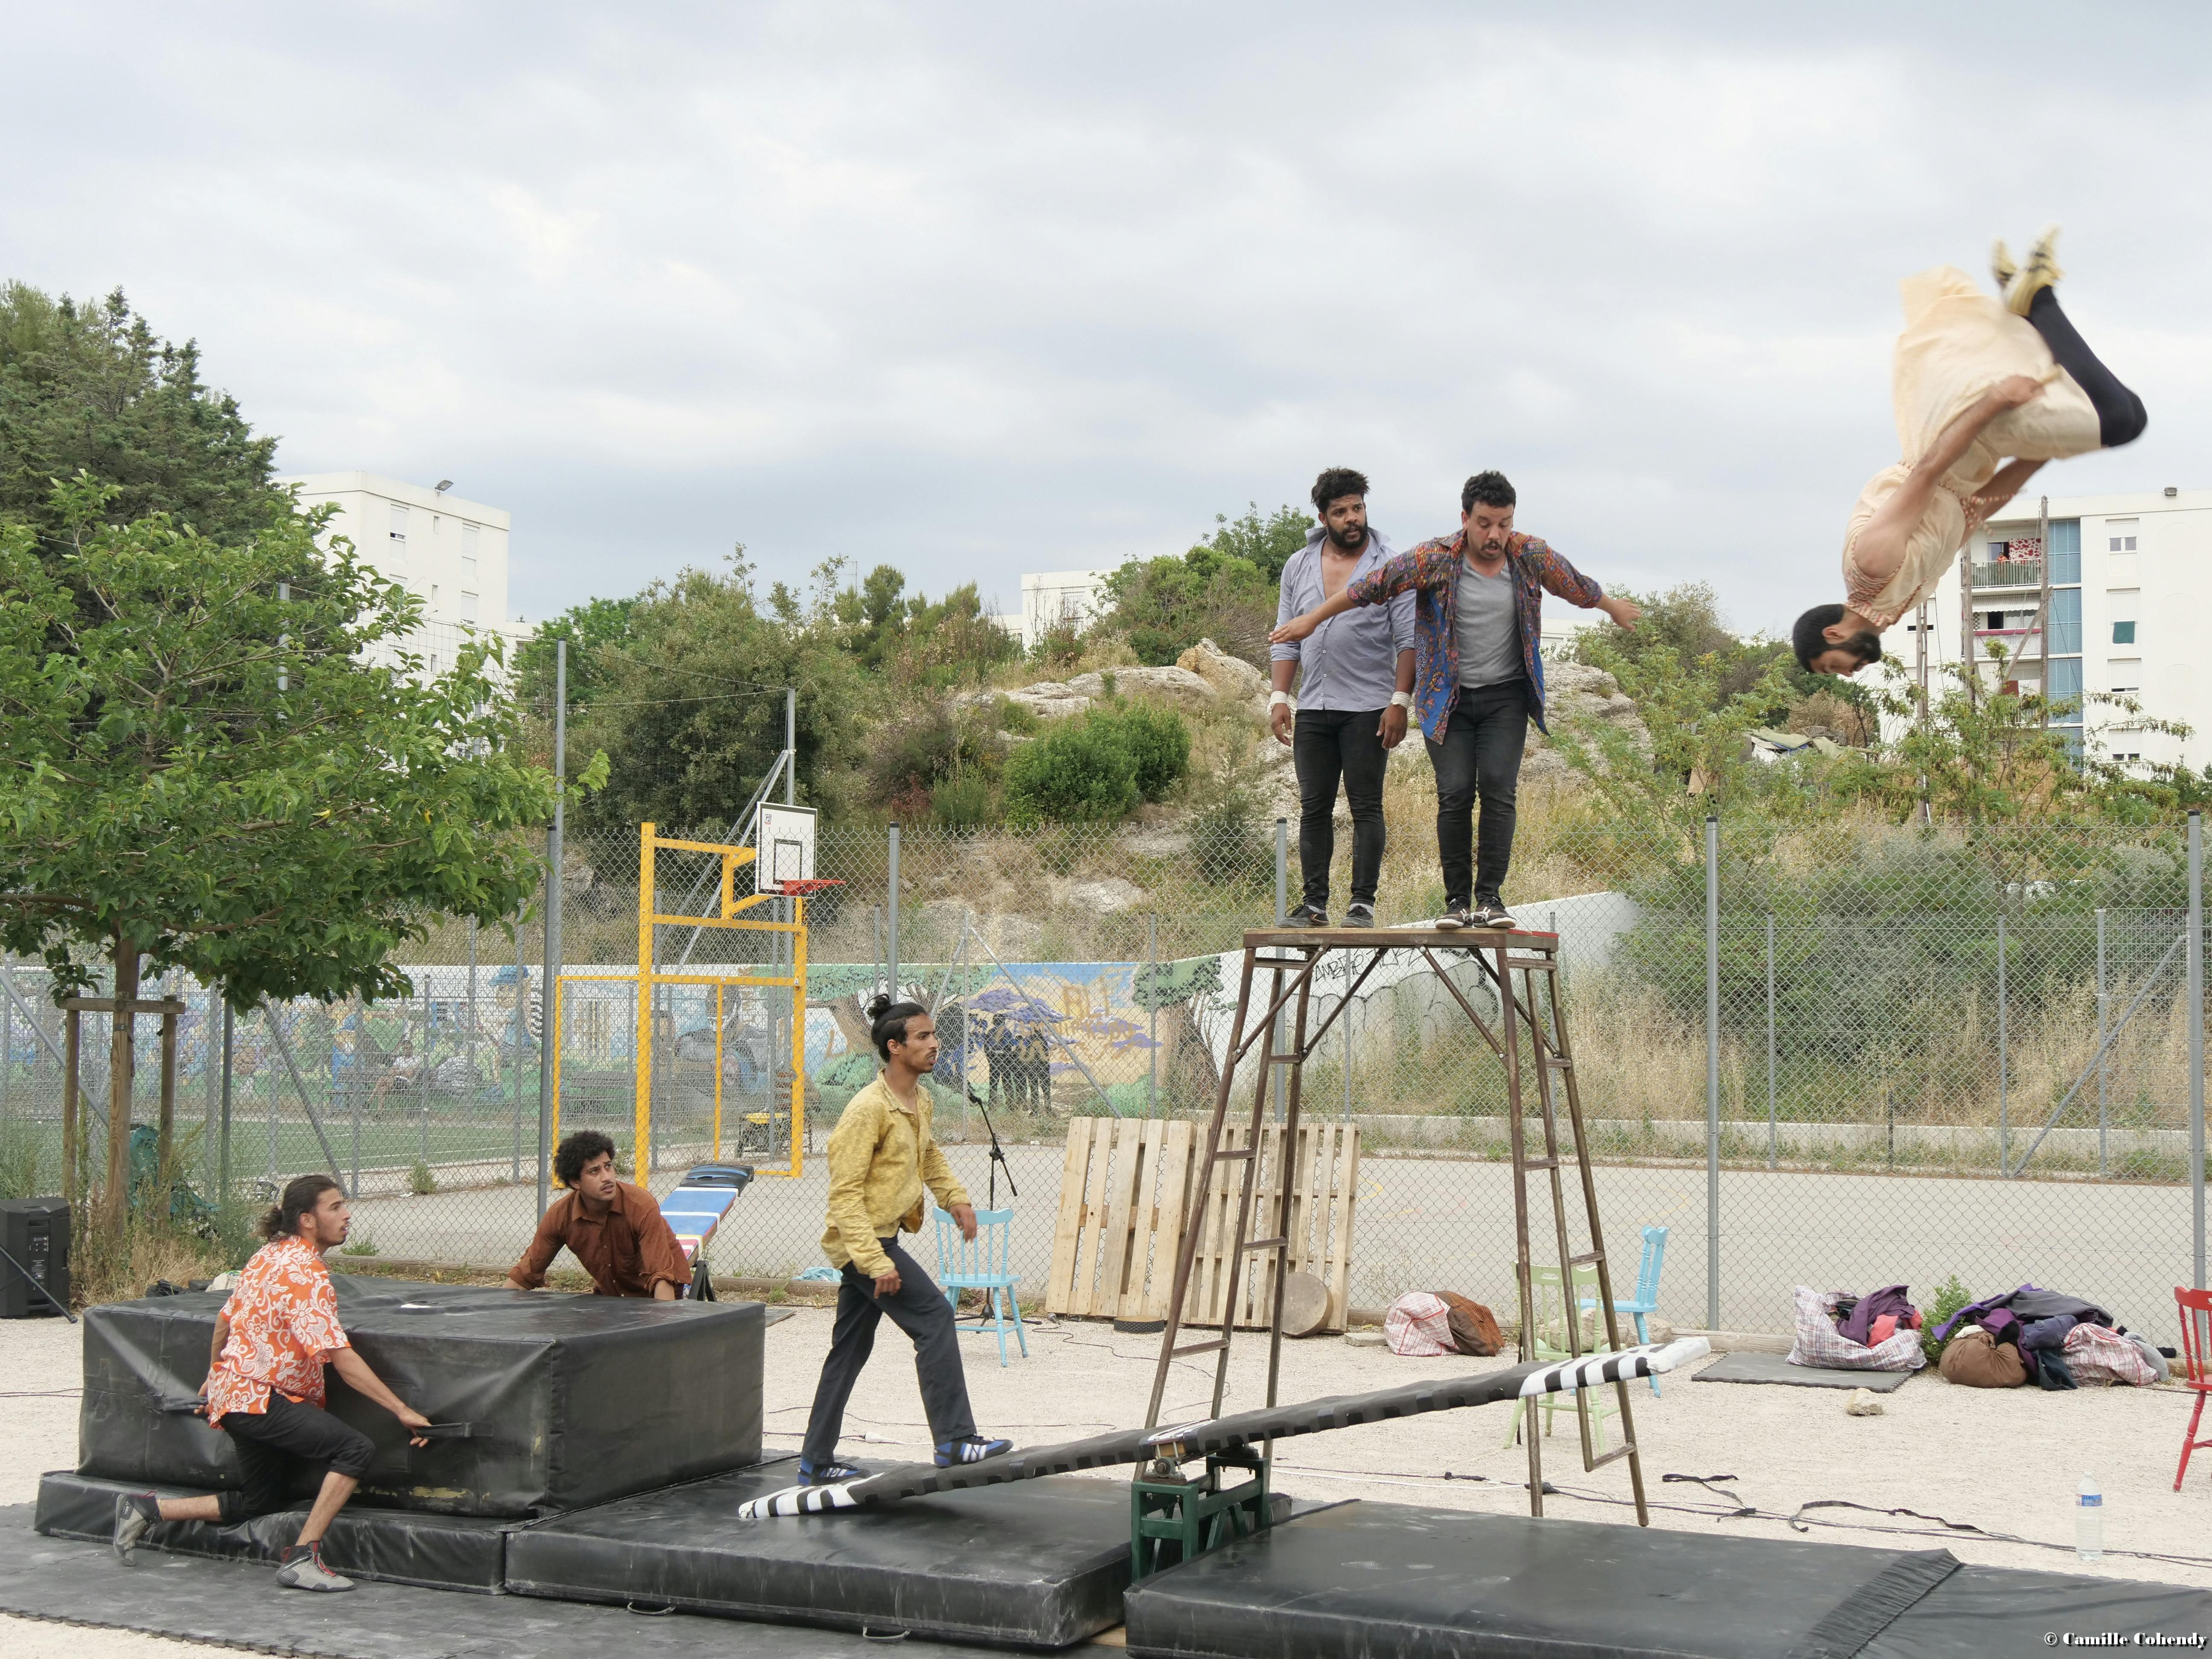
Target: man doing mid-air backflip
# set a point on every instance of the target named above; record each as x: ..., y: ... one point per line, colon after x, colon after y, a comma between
x: 1976, y: 381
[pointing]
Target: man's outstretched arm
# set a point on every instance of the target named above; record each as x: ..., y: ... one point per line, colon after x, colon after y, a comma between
x: 1881, y: 544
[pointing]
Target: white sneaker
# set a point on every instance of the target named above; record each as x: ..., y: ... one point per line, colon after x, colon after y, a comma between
x: 303, y: 1569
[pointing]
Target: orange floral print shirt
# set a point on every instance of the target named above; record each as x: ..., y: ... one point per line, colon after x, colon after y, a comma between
x: 283, y: 1325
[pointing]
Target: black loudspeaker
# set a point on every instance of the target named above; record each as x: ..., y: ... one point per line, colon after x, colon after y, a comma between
x: 35, y: 1233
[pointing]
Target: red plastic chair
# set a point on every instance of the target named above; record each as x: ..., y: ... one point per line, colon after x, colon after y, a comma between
x: 2195, y: 1367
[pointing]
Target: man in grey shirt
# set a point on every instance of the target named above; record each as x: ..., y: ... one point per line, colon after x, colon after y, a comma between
x: 1356, y: 681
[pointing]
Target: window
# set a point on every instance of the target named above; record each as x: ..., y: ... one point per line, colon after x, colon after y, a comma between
x: 2066, y: 678
x: 2124, y: 633
x: 2125, y: 674
x: 2120, y: 535
x: 2065, y: 551
x: 2065, y: 619
x: 469, y: 554
x: 468, y: 607
x: 398, y: 531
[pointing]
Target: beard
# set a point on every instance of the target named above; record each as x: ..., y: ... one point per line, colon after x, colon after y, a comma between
x: 1349, y: 541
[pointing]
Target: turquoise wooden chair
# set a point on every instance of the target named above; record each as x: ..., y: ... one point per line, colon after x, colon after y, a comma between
x: 1646, y: 1299
x: 982, y: 1265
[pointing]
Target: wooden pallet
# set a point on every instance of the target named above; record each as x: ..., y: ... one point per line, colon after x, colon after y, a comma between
x: 1324, y: 1183
x: 1123, y: 1189
x: 1124, y: 1198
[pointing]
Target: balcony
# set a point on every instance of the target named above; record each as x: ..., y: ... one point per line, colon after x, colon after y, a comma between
x: 2008, y: 573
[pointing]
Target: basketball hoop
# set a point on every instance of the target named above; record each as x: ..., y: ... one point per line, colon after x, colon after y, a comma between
x: 813, y: 884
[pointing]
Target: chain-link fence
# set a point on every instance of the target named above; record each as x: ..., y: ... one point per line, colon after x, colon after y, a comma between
x: 1881, y: 1055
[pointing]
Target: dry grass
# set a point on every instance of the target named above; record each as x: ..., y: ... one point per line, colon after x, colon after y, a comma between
x: 101, y: 1270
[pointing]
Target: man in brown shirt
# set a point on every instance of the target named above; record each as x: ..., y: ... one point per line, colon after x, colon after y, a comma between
x: 615, y: 1231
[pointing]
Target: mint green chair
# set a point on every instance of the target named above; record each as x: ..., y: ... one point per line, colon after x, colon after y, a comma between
x: 1547, y: 1343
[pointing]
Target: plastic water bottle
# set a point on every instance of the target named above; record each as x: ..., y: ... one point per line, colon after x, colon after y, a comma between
x: 2089, y: 1523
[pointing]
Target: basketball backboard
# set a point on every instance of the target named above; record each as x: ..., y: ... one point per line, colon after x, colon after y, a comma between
x: 785, y: 838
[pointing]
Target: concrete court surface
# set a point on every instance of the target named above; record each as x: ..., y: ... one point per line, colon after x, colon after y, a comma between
x: 2006, y: 1462
x: 1444, y: 1224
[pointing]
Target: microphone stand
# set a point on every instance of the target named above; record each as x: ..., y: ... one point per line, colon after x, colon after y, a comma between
x: 998, y: 1152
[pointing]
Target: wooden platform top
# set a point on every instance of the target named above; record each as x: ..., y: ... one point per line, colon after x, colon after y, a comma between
x: 1401, y: 939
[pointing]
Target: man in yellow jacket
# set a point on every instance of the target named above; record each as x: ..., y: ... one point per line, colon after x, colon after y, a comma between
x: 881, y: 1156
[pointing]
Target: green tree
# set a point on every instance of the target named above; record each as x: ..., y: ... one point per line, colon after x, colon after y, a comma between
x: 1222, y: 589
x: 689, y: 704
x: 591, y: 629
x: 203, y: 771
x: 92, y: 389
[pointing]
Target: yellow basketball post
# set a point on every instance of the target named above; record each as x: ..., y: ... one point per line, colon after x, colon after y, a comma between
x: 648, y: 979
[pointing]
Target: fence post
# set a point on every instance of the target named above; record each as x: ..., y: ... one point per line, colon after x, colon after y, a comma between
x: 2005, y: 1059
x: 1770, y: 1040
x: 1712, y: 1071
x: 2196, y: 954
x: 1282, y: 916
x: 549, y: 986
x: 2104, y: 1064
x: 223, y: 1140
x: 1152, y: 1015
x: 890, y: 920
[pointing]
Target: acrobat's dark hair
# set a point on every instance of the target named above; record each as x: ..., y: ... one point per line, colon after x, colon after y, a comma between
x: 887, y: 1023
x: 1337, y: 481
x: 1808, y: 641
x: 1490, y: 488
x: 574, y: 1151
x: 302, y: 1194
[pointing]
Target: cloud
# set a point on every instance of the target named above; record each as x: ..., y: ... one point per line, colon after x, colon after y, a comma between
x: 980, y: 288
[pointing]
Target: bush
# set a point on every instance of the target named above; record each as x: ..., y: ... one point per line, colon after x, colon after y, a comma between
x: 1950, y: 1297
x: 421, y: 1180
x: 1160, y: 742
x: 1083, y: 769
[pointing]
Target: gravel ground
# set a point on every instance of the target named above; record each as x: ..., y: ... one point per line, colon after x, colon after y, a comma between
x: 2005, y: 1461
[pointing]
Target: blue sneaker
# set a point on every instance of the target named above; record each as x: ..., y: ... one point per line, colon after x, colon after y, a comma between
x: 971, y: 1448
x: 831, y: 1474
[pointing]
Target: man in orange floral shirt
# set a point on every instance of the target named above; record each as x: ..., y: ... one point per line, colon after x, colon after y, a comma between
x: 264, y: 1388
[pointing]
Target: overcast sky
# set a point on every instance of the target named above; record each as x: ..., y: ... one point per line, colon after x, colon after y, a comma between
x: 979, y: 289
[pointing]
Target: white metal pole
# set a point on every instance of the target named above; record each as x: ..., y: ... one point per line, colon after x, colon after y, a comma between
x: 1712, y: 1074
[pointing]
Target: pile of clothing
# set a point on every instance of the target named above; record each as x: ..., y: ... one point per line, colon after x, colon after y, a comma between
x: 2044, y: 1337
x: 1877, y: 1332
x: 1424, y: 1323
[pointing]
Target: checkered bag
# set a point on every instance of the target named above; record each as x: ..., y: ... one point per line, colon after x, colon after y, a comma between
x: 1820, y: 1344
x: 1419, y: 1325
x: 2096, y: 1355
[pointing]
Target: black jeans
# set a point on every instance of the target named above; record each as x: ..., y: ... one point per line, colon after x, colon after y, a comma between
x: 1479, y: 757
x: 920, y: 1310
x: 2120, y: 414
x: 1327, y: 744
x: 267, y: 1441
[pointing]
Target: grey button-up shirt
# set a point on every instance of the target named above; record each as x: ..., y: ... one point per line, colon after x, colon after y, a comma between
x: 1351, y: 661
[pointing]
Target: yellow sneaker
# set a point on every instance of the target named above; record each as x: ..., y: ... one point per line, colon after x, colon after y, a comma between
x: 2001, y: 265
x: 2041, y: 271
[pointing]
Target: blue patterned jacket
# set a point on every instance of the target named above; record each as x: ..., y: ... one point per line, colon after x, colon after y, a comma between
x: 1431, y: 572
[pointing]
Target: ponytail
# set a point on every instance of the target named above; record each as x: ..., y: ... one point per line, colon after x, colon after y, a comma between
x: 302, y: 1194
x: 887, y: 1023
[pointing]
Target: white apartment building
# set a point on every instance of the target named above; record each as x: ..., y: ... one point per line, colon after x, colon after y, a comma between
x: 1052, y: 597
x: 2126, y: 573
x: 449, y: 551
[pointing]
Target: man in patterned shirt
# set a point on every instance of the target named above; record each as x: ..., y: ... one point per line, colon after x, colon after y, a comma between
x: 1478, y: 678
x: 264, y: 1388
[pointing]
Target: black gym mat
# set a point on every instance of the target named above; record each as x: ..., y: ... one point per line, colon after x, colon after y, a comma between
x: 1991, y: 1610
x: 1742, y: 1367
x: 1390, y: 1580
x: 1040, y: 1564
x: 239, y: 1606
x: 575, y: 1399
x: 398, y: 1546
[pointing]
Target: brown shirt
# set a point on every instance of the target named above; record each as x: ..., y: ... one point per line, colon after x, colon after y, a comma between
x: 627, y: 1249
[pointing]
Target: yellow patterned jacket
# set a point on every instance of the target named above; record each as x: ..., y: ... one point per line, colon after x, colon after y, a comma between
x: 881, y: 1156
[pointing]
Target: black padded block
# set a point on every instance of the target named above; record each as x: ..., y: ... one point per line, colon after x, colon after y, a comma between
x: 575, y: 1400
x: 1986, y: 1610
x: 396, y: 1546
x: 1389, y: 1581
x: 1041, y: 1565
x: 234, y: 1605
